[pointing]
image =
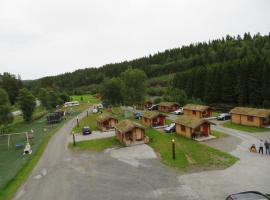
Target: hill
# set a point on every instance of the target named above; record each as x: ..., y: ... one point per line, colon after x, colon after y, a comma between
x: 233, y: 70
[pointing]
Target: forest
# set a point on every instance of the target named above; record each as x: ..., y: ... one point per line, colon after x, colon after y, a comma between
x: 230, y: 70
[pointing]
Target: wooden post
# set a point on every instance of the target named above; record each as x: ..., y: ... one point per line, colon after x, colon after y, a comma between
x: 77, y: 121
x: 74, y: 141
x: 8, y: 141
x: 87, y: 113
x: 173, y: 149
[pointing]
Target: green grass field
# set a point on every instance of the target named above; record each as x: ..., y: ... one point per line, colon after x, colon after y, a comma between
x: 251, y: 129
x: 215, y: 114
x: 96, y: 145
x: 14, y: 167
x: 189, y: 153
x: 85, y: 99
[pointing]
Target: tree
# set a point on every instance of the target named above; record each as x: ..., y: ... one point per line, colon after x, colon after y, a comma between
x: 134, y: 87
x: 27, y: 104
x: 12, y: 85
x: 44, y: 98
x: 111, y: 91
x: 176, y: 95
x: 6, y: 116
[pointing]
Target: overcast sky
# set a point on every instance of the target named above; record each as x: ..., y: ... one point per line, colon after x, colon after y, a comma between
x: 49, y: 37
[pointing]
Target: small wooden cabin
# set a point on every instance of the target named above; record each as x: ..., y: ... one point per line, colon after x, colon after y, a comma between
x: 168, y: 106
x: 106, y: 122
x: 152, y: 118
x: 130, y: 133
x: 192, y: 127
x: 200, y: 111
x: 250, y: 116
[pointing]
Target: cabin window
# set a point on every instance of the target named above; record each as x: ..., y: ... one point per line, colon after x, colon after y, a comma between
x: 194, y: 112
x: 250, y: 118
x: 183, y: 128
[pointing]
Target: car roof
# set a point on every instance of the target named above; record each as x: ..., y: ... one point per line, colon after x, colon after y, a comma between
x: 249, y: 196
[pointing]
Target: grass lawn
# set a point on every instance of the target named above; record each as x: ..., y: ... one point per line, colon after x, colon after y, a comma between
x: 96, y: 145
x: 251, y: 129
x: 215, y: 114
x: 14, y: 167
x: 218, y: 134
x: 189, y: 153
x: 87, y: 121
x: 85, y: 99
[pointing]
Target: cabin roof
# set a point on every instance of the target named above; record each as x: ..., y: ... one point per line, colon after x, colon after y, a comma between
x: 188, y: 121
x: 196, y: 107
x: 152, y: 114
x: 127, y: 125
x: 104, y: 117
x: 167, y: 103
x: 251, y: 111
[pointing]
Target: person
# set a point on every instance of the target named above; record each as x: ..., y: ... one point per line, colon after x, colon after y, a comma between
x: 260, y: 146
x: 27, y: 149
x: 253, y: 149
x: 267, y: 146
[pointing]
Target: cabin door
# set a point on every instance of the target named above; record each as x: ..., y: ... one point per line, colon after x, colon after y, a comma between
x: 138, y: 134
x: 205, y: 130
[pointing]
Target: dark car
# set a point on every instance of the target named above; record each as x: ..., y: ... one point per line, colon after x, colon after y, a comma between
x: 249, y: 195
x: 224, y: 116
x: 86, y: 130
x: 138, y: 115
x: 153, y: 107
x: 170, y: 128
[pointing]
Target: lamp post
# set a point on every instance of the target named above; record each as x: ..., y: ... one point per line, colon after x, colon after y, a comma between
x: 74, y: 141
x: 173, y: 149
x: 77, y: 121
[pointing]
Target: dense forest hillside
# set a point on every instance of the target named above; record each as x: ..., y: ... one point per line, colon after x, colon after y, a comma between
x: 233, y: 70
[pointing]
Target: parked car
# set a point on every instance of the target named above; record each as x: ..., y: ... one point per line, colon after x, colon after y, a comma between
x: 153, y: 107
x: 224, y: 116
x: 249, y: 195
x: 138, y: 115
x: 180, y: 111
x: 170, y: 128
x: 86, y: 130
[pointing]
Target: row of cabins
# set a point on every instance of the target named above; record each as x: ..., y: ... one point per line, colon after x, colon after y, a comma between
x: 190, y: 125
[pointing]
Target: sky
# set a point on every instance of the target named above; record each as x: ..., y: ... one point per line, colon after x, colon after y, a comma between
x: 42, y: 38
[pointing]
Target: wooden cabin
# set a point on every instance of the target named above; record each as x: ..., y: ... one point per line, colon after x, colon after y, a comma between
x: 130, y: 133
x: 250, y: 116
x: 153, y: 119
x: 200, y: 111
x: 168, y: 106
x: 192, y: 127
x: 106, y: 122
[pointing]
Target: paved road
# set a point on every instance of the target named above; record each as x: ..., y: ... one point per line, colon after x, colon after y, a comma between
x: 136, y: 173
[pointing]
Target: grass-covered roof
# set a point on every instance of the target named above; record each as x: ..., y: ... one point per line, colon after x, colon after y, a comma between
x: 151, y: 114
x: 188, y: 121
x: 127, y: 125
x: 251, y: 111
x: 104, y: 117
x: 196, y: 107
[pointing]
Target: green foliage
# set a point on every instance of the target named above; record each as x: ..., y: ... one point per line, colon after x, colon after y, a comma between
x: 176, y: 95
x: 155, y: 91
x: 44, y: 98
x: 111, y: 91
x: 12, y: 85
x: 6, y: 116
x: 157, y: 100
x: 27, y: 103
x: 134, y: 86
